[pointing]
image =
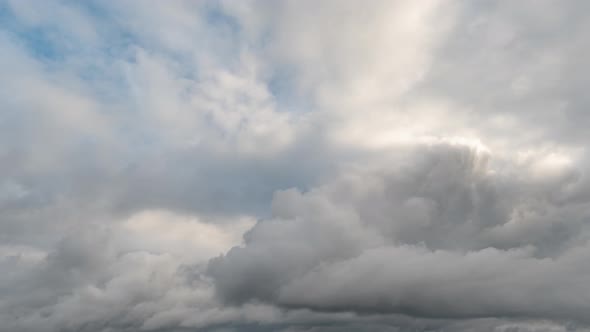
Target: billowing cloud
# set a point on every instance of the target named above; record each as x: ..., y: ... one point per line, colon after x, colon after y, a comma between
x: 435, y: 232
x: 294, y: 166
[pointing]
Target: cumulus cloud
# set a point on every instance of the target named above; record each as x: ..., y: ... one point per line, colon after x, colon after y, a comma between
x: 126, y: 278
x: 435, y: 232
x: 293, y: 166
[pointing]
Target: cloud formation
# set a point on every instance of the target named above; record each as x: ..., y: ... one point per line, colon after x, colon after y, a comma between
x: 294, y: 166
x: 435, y: 232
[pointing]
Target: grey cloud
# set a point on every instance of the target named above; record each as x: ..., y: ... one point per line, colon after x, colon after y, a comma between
x: 436, y: 232
x: 515, y: 68
x: 88, y: 284
x: 335, y: 124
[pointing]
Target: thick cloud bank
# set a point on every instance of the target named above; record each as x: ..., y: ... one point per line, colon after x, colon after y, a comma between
x: 294, y: 165
x: 436, y: 232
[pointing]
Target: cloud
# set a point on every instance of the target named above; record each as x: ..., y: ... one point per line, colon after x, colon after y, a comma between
x: 122, y: 278
x: 293, y: 166
x: 437, y: 232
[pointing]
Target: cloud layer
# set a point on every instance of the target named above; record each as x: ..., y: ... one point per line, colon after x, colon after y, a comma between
x: 294, y: 166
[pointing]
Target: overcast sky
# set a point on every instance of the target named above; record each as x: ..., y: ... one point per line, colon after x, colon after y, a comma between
x: 319, y: 166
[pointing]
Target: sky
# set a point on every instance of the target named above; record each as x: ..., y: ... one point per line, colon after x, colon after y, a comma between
x: 294, y: 166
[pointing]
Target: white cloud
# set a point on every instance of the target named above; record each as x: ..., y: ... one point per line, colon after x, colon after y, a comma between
x: 188, y: 237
